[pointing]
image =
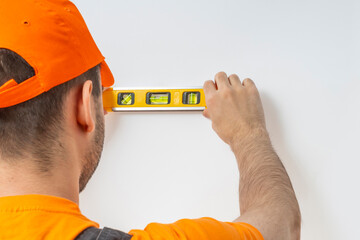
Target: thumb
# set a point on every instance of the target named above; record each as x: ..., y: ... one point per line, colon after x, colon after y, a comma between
x: 206, y: 113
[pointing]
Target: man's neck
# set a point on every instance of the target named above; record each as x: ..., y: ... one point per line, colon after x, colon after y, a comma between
x: 22, y: 178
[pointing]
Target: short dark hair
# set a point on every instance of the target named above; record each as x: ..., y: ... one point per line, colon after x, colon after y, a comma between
x: 33, y: 128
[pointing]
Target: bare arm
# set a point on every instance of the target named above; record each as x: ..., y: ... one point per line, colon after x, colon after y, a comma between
x: 267, y: 199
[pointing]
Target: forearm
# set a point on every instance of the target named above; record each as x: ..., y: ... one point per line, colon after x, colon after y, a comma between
x: 264, y: 184
x: 267, y: 199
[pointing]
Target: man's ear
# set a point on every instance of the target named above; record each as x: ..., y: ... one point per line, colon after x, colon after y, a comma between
x: 84, y: 116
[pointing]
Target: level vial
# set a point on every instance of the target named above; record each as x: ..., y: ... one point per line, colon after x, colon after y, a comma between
x: 158, y: 98
x: 126, y: 98
x: 191, y: 98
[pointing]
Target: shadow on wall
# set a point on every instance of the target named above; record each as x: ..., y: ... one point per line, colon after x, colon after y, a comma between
x: 112, y: 123
x: 306, y: 192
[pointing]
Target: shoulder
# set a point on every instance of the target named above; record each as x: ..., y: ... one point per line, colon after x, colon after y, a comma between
x: 105, y: 233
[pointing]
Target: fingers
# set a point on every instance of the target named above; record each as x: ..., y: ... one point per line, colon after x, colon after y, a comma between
x: 209, y: 87
x: 250, y: 85
x: 248, y: 82
x: 234, y: 80
x: 221, y: 80
x: 209, y: 90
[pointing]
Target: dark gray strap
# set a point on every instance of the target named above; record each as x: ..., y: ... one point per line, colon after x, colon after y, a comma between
x: 93, y: 233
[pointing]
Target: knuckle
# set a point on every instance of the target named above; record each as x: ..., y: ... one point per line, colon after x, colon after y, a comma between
x: 227, y: 92
x: 207, y: 86
x: 253, y: 90
x: 209, y: 101
x: 220, y: 74
x: 207, y: 83
x: 239, y: 90
x: 248, y: 81
x: 233, y: 76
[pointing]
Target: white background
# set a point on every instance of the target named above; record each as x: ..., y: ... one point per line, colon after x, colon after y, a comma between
x: 304, y: 58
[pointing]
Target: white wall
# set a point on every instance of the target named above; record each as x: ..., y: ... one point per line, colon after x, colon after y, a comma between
x: 304, y: 58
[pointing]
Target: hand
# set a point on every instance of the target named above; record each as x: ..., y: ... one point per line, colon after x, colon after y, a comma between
x: 234, y: 108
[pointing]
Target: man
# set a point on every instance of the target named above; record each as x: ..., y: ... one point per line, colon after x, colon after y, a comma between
x: 52, y: 132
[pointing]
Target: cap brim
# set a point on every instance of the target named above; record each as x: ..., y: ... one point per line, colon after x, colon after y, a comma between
x: 107, y: 78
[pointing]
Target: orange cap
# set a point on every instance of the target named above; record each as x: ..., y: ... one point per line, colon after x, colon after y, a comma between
x: 53, y: 38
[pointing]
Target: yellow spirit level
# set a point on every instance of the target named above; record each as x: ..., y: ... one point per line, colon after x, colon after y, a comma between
x: 167, y: 99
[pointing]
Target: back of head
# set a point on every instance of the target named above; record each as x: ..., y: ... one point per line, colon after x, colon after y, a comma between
x: 34, y: 128
x: 46, y: 50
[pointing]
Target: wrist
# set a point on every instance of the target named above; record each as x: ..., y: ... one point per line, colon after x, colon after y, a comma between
x: 257, y: 135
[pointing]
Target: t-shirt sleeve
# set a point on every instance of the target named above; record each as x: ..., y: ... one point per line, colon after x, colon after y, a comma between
x: 197, y: 229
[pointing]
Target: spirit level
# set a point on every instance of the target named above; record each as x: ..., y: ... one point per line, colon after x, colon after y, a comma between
x: 159, y: 99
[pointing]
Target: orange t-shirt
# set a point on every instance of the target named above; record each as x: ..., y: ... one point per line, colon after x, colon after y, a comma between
x: 49, y: 217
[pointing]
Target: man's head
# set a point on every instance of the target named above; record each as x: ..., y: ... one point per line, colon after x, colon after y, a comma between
x: 37, y: 129
x: 51, y: 73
